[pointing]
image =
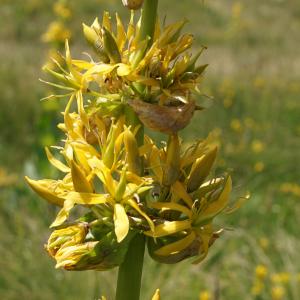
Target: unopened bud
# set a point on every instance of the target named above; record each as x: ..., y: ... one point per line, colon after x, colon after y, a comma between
x: 95, y: 41
x: 64, y: 237
x: 216, y: 202
x: 132, y: 152
x: 200, y: 170
x: 110, y: 46
x: 94, y: 255
x: 121, y: 187
x: 109, y: 152
x: 80, y: 181
x: 172, y: 168
x: 133, y: 4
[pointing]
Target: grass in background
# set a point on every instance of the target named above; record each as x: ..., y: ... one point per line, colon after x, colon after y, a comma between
x: 254, y: 79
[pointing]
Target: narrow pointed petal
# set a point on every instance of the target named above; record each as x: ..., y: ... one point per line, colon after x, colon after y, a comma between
x: 180, y: 191
x: 42, y: 189
x: 121, y: 222
x: 176, y: 246
x: 80, y: 182
x: 168, y: 228
x: 56, y: 163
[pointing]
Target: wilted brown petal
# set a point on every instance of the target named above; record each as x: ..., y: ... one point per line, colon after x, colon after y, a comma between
x: 166, y: 119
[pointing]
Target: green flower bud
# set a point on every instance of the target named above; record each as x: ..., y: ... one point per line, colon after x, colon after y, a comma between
x: 121, y: 187
x: 200, y: 170
x: 132, y: 152
x: 109, y: 152
x: 172, y: 168
x: 95, y: 41
x: 110, y: 46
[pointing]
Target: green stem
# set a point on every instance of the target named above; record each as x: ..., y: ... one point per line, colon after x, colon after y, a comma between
x: 149, y: 15
x: 130, y: 272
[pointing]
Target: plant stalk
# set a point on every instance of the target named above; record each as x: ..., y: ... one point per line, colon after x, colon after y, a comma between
x: 130, y: 271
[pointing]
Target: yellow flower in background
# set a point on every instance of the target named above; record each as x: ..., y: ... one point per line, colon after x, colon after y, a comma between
x: 264, y: 243
x: 236, y: 125
x: 259, y: 82
x: 62, y: 10
x: 205, y: 295
x: 7, y: 179
x: 290, y: 188
x: 282, y: 277
x: 227, y: 102
x: 261, y: 272
x: 56, y: 32
x: 236, y: 10
x: 257, y: 288
x: 259, y: 167
x: 257, y: 146
x: 277, y: 293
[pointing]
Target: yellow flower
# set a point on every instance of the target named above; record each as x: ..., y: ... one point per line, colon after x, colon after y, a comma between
x: 236, y: 10
x: 291, y: 188
x: 261, y: 272
x: 7, y: 179
x: 65, y: 237
x: 257, y: 288
x: 259, y: 167
x: 236, y: 125
x: 168, y: 72
x: 56, y: 32
x: 62, y: 10
x: 277, y: 293
x: 283, y: 277
x: 205, y: 295
x: 196, y: 200
x: 257, y: 146
x: 259, y: 82
x: 264, y: 243
x: 227, y: 102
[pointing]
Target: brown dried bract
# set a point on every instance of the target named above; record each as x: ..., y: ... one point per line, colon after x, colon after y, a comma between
x: 166, y: 119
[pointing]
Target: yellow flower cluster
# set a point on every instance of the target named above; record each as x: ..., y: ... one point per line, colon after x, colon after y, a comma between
x: 7, y: 179
x: 272, y: 284
x: 290, y: 188
x: 56, y: 32
x: 116, y: 181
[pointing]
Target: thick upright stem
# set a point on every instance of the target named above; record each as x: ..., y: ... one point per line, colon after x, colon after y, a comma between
x: 130, y: 271
x: 149, y: 15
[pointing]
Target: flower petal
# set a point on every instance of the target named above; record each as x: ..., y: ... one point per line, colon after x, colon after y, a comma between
x: 168, y: 228
x: 121, y: 222
x: 176, y: 246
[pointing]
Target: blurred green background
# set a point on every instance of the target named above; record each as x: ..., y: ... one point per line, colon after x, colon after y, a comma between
x: 254, y: 78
